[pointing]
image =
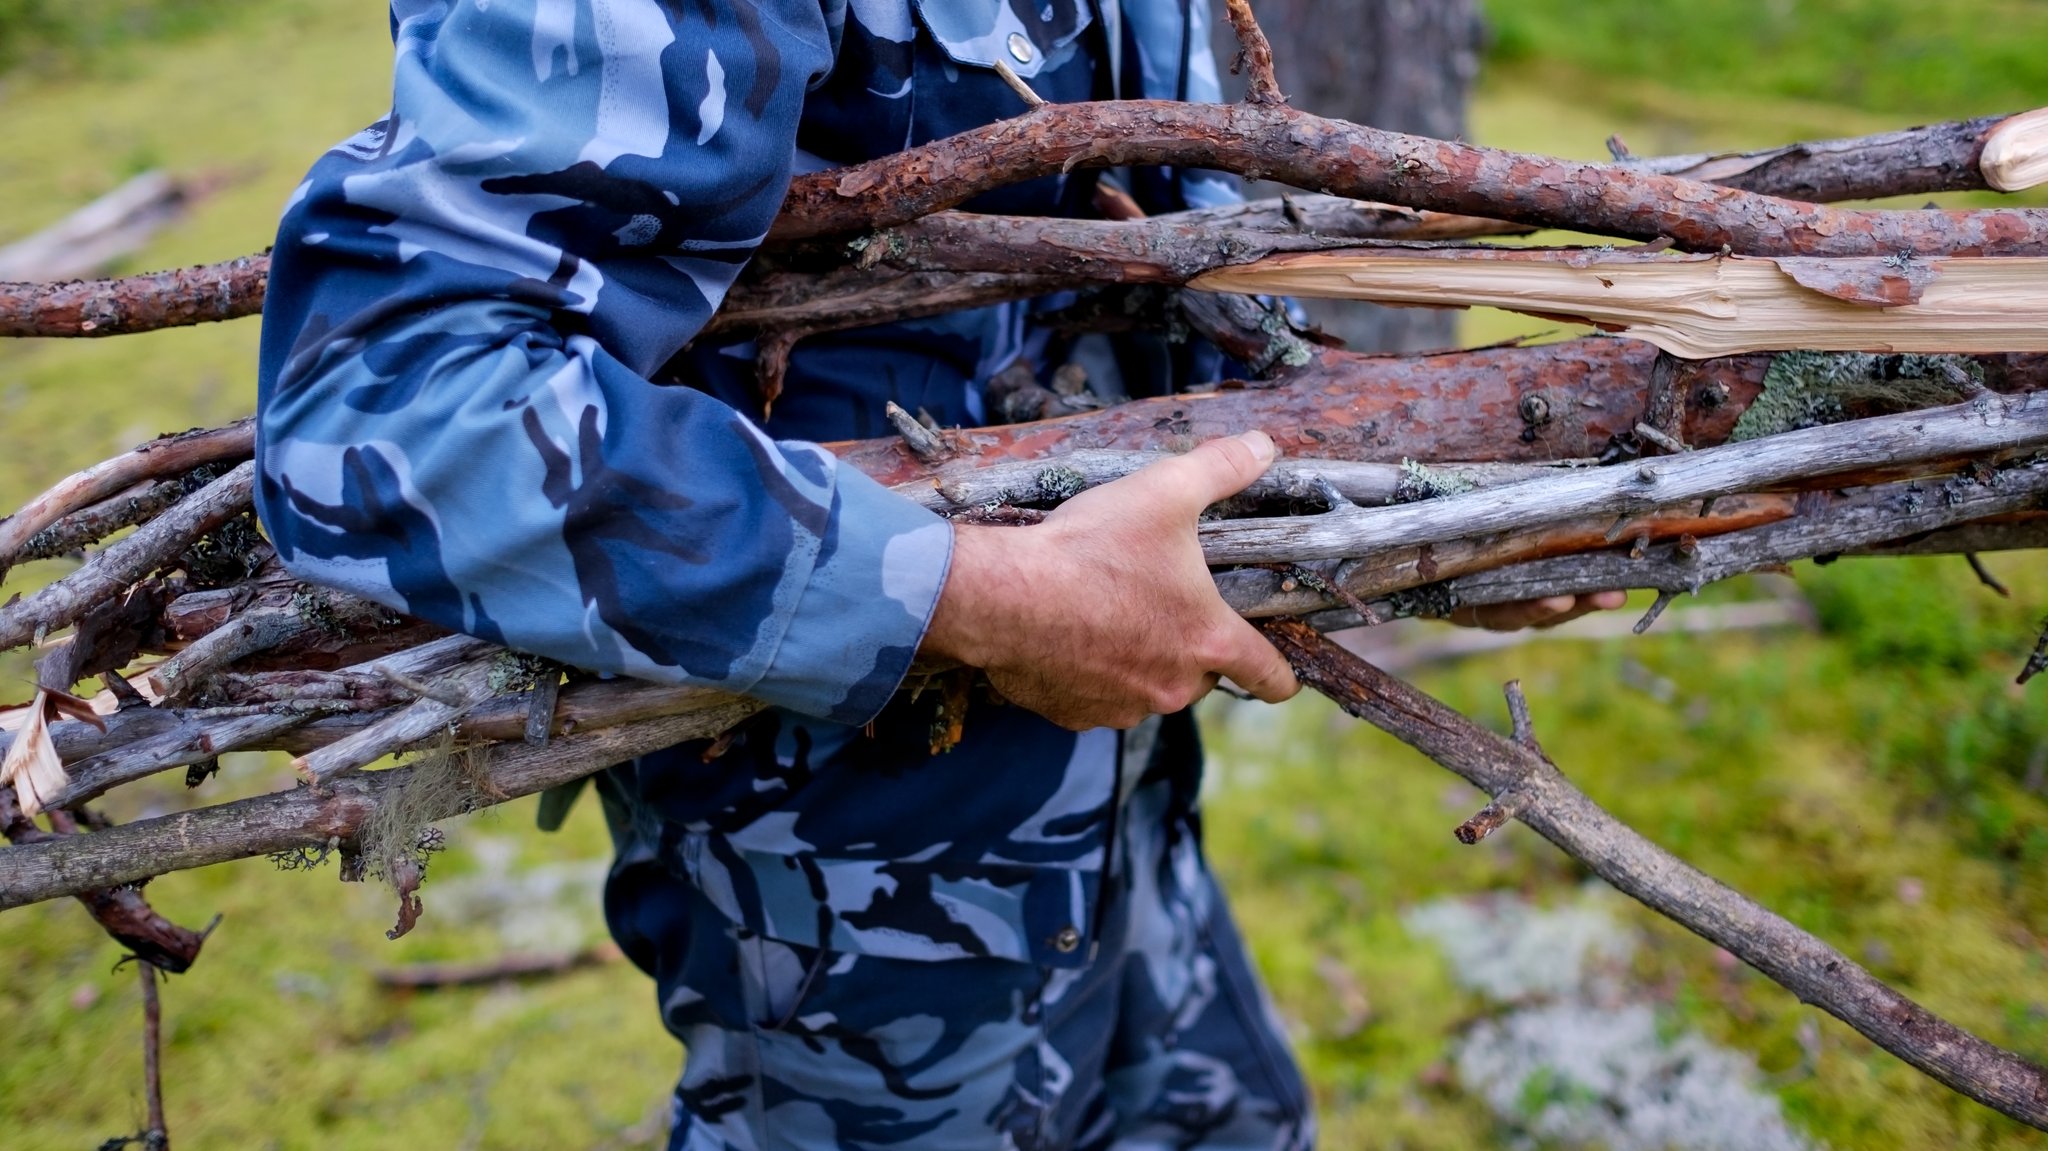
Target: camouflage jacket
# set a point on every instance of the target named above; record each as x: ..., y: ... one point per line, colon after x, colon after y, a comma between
x: 469, y: 301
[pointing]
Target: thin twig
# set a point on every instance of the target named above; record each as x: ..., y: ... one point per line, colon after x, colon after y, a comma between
x: 157, y: 1136
x: 1662, y: 439
x: 1254, y: 55
x: 923, y: 442
x: 1984, y: 575
x: 1009, y: 76
x: 1663, y: 601
x: 2038, y: 661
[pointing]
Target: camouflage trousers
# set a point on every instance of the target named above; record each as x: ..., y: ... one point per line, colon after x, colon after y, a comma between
x: 1164, y: 1040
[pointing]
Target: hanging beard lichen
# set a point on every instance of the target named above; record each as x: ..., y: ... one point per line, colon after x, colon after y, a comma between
x: 1808, y: 389
x: 393, y: 845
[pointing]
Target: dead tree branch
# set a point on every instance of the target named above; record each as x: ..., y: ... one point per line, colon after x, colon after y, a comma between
x: 319, y: 817
x: 1553, y: 808
x: 1913, y: 161
x: 144, y: 303
x: 120, y: 910
x: 1864, y: 523
x: 1254, y: 55
x: 1572, y: 400
x: 1989, y: 425
x: 600, y: 723
x: 151, y: 547
x: 1916, y: 161
x: 159, y: 459
x: 1279, y: 143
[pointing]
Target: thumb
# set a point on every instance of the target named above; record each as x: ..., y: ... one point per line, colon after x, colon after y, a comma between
x: 1258, y: 667
x: 1217, y: 469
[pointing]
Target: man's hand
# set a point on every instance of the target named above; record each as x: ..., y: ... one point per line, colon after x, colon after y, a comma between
x: 1105, y: 613
x: 1537, y: 613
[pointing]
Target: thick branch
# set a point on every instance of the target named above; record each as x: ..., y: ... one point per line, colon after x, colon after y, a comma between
x: 1549, y: 804
x: 1987, y: 425
x: 171, y: 299
x: 1345, y: 159
x: 1913, y: 161
x: 1569, y: 400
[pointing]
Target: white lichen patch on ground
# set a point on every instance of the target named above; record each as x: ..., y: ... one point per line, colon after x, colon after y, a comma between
x: 1571, y: 1059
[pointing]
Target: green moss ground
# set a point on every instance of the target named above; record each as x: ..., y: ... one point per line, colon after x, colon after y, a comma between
x: 1869, y: 781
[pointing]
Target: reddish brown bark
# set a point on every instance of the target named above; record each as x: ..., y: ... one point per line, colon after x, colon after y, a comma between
x: 1254, y: 55
x: 1568, y: 400
x: 1525, y: 404
x: 1278, y: 143
x: 143, y: 303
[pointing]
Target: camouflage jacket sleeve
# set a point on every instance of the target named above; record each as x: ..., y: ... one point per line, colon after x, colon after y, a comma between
x: 466, y: 300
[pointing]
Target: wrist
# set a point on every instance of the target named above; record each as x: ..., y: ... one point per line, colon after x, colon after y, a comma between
x: 979, y: 581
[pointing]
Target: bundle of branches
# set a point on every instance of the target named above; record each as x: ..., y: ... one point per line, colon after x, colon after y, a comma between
x: 1910, y: 418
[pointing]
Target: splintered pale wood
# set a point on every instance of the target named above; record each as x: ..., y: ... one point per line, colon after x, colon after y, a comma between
x: 1697, y: 306
x: 2016, y: 152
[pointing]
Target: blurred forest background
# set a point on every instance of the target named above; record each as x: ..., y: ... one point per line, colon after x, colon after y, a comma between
x: 1867, y: 768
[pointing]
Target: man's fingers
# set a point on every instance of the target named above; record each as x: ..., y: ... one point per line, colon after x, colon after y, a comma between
x: 1587, y: 605
x: 1538, y: 613
x: 1256, y: 666
x: 1215, y: 470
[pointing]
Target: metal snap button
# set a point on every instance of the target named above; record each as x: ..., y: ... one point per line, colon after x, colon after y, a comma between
x: 1067, y: 940
x: 1021, y: 48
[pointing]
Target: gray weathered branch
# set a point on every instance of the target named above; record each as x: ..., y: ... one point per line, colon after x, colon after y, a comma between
x: 1988, y: 424
x: 1547, y: 802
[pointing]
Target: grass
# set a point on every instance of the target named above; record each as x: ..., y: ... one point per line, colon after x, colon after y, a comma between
x: 40, y: 38
x: 1896, y: 56
x: 1870, y: 781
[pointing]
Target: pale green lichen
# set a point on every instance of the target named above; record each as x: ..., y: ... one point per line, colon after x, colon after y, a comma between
x: 1060, y: 483
x: 1808, y: 389
x: 515, y: 671
x: 1420, y: 482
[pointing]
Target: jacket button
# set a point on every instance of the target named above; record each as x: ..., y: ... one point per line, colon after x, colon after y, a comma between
x: 1020, y: 48
x: 1066, y: 941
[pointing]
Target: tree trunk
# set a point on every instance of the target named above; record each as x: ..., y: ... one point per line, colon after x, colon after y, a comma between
x: 1403, y: 65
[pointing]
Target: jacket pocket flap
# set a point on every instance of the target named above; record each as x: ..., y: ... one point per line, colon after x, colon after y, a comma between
x: 1024, y: 34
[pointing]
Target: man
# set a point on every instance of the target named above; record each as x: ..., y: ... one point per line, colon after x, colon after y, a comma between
x: 1015, y: 944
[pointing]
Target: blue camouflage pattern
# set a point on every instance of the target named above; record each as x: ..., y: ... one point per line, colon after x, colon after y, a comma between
x: 480, y: 403
x: 921, y: 1002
